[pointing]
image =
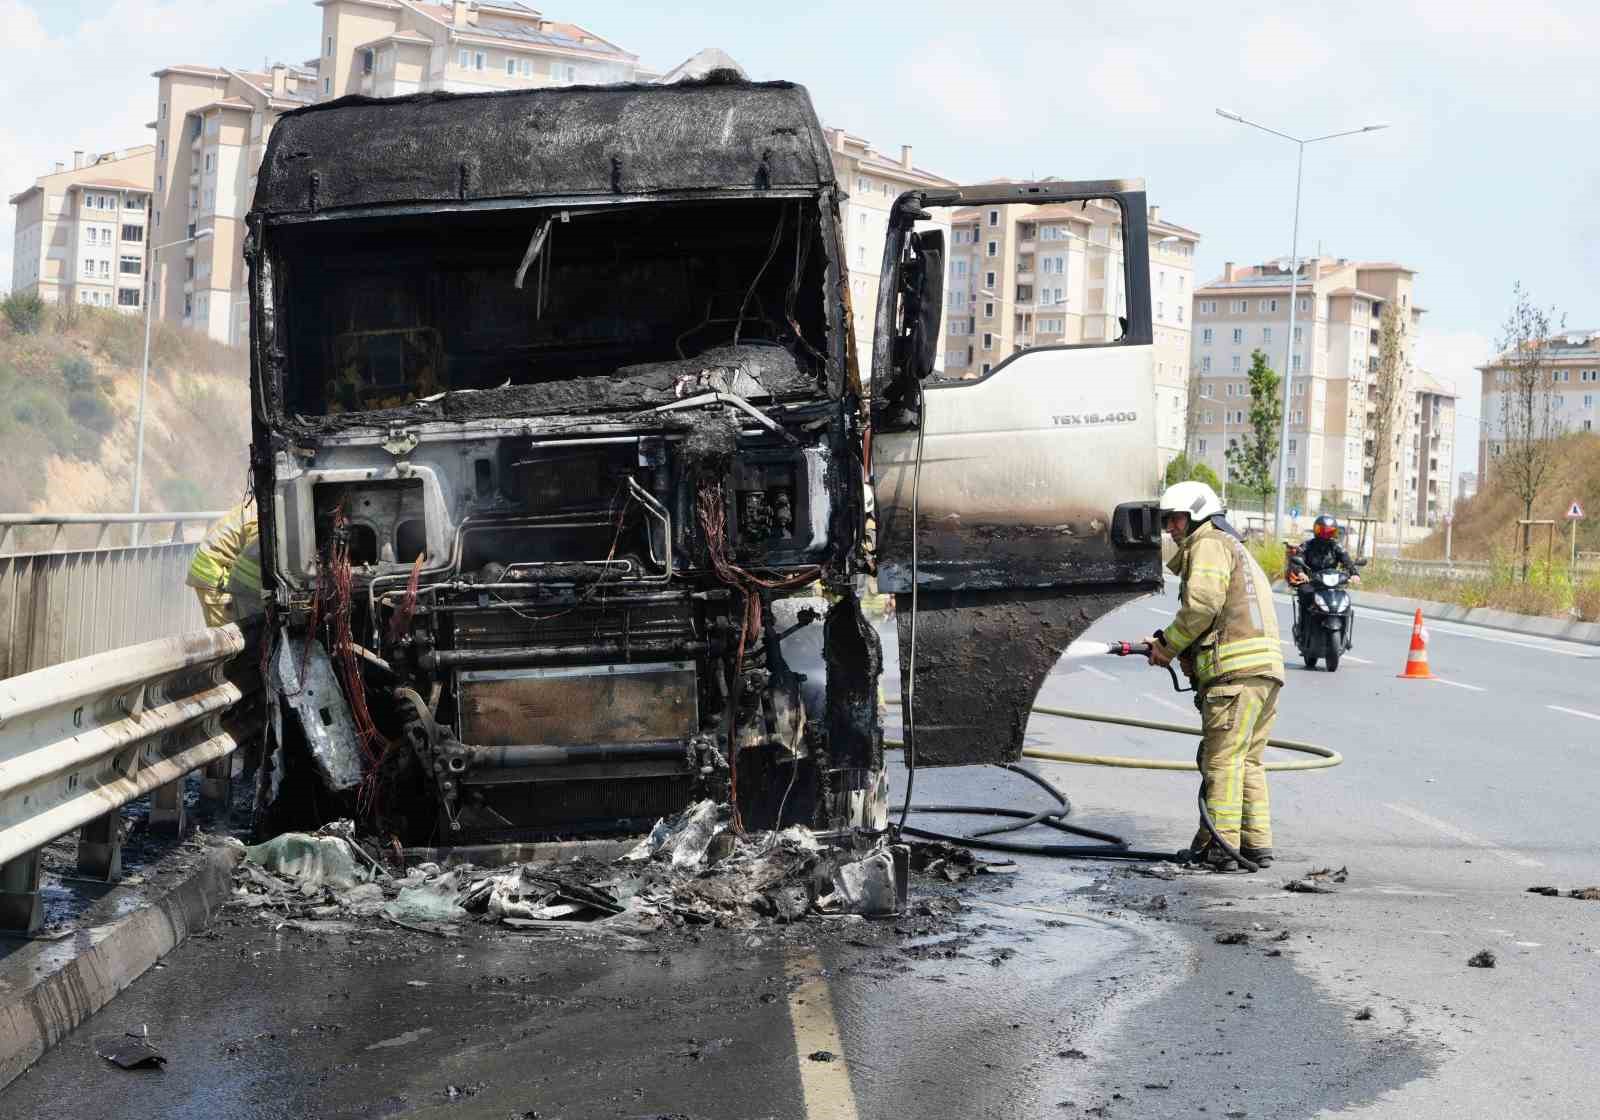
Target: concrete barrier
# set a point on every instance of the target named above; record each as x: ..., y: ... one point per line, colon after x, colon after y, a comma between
x: 48, y: 988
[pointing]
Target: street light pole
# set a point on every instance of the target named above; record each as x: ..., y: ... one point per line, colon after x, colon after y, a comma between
x: 144, y: 366
x: 1294, y: 291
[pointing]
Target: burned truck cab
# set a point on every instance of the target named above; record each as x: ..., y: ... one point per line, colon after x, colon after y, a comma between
x: 553, y: 411
x: 562, y: 456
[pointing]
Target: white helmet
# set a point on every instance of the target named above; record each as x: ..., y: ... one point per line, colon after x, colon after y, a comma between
x: 1196, y: 499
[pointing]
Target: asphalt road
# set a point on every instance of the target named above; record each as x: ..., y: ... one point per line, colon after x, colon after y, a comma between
x: 1070, y: 989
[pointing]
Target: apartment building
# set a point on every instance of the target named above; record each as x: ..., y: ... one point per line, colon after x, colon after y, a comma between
x: 1023, y: 275
x: 213, y: 123
x: 1333, y: 356
x: 869, y: 183
x: 385, y: 48
x: 81, y: 231
x: 1572, y: 378
x: 1428, y: 488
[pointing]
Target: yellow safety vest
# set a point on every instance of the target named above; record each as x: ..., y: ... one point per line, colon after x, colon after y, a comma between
x: 1225, y: 617
x: 220, y: 550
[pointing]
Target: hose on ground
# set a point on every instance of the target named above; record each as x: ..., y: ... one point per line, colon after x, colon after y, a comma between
x: 1112, y: 846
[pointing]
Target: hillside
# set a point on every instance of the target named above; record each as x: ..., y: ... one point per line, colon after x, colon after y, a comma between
x: 1485, y: 524
x: 69, y: 397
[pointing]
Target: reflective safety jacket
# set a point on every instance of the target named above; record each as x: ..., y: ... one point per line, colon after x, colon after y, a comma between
x: 1225, y: 623
x: 220, y: 550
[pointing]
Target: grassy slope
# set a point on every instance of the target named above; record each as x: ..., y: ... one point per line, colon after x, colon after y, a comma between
x: 69, y: 397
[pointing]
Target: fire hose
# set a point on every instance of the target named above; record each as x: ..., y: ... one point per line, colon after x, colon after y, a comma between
x: 1110, y: 846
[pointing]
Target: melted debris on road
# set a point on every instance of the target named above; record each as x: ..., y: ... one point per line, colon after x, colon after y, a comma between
x: 692, y: 870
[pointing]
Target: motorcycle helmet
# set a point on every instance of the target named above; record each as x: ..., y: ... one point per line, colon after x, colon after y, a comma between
x: 1325, y: 528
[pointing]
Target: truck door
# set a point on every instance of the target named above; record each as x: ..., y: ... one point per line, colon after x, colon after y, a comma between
x: 1014, y: 456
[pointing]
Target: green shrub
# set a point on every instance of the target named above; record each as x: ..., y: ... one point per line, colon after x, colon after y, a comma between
x: 78, y: 372
x: 24, y: 311
x: 1270, y: 555
x: 90, y: 409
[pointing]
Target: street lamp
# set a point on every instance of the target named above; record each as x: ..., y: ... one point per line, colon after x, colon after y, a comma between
x: 1294, y: 278
x: 144, y: 370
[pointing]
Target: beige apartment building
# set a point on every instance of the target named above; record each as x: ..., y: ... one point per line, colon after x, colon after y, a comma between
x: 1338, y: 311
x: 213, y: 123
x: 1023, y: 275
x: 869, y: 183
x: 81, y: 231
x: 1572, y: 361
x: 1429, y: 484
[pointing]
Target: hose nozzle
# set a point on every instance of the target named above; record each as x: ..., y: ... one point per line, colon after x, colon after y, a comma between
x: 1125, y: 649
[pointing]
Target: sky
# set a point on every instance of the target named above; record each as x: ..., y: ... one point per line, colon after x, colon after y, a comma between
x: 1487, y: 174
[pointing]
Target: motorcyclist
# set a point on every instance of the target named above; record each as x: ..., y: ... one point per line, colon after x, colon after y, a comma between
x: 1322, y: 553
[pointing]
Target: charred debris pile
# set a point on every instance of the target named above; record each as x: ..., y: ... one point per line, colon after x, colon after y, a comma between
x: 694, y: 869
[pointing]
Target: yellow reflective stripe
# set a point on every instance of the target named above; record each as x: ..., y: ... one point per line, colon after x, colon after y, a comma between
x: 1176, y: 637
x: 205, y: 572
x: 247, y: 570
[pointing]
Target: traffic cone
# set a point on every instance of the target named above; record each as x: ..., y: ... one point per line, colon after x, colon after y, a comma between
x: 1417, y: 659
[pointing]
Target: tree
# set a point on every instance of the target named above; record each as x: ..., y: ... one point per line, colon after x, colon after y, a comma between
x: 1253, y: 463
x: 1529, y: 422
x: 1184, y: 469
x: 1386, y: 403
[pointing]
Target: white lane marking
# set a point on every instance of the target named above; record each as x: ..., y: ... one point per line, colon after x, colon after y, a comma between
x: 824, y: 1085
x: 1154, y: 610
x: 1572, y: 712
x: 1168, y: 704
x: 1463, y: 836
x: 1458, y: 684
x: 1101, y: 673
x: 1463, y: 631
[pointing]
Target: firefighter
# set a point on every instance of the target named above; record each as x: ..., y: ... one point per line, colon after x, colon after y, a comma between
x: 1225, y: 636
x: 214, y: 561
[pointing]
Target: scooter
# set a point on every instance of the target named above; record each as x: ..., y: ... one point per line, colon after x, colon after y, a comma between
x: 1324, y: 616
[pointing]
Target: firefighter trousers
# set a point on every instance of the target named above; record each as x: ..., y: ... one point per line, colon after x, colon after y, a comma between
x: 1236, y: 722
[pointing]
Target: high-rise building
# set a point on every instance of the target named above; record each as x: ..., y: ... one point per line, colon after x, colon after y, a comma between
x: 1570, y: 381
x: 870, y: 183
x: 1334, y: 354
x: 81, y: 231
x: 1430, y: 452
x: 1022, y: 275
x: 213, y: 123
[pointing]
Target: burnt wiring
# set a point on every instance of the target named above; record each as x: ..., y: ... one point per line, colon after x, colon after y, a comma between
x: 712, y: 511
x: 772, y: 251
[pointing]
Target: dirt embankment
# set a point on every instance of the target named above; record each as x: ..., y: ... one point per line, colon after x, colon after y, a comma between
x: 69, y: 400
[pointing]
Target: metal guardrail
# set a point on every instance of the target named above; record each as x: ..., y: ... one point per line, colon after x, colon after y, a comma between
x: 80, y: 740
x: 57, y: 606
x: 1464, y: 569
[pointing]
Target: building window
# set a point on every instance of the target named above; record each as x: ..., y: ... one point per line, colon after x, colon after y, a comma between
x: 1299, y: 416
x: 1238, y: 336
x: 1305, y: 303
x: 988, y: 280
x: 988, y: 313
x: 329, y: 47
x: 1205, y: 336
x: 128, y: 297
x: 130, y: 266
x: 994, y: 218
x: 1294, y: 446
x: 133, y: 233
x: 1292, y: 473
x: 511, y: 67
x: 327, y: 85
x: 1299, y: 388
x: 105, y: 273
x: 1297, y: 334
x: 988, y: 341
x: 161, y: 184
x: 1180, y: 306
x: 1296, y: 363
x: 1266, y: 336
x: 1240, y: 306
x: 1230, y: 389
x: 1236, y: 363
x: 464, y: 59
x: 1561, y: 375
x: 992, y: 249
x: 211, y: 161
x: 480, y: 60
x: 1205, y: 364
x: 1202, y: 443
x: 527, y: 68
x: 367, y: 61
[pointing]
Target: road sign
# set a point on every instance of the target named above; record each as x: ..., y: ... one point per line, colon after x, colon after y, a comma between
x: 1575, y: 513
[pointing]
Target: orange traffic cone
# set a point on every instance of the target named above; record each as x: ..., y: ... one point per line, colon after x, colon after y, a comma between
x: 1417, y: 659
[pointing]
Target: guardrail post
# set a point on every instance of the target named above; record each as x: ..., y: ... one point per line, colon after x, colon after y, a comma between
x: 167, y: 810
x: 21, y: 908
x: 216, y: 786
x: 100, y: 848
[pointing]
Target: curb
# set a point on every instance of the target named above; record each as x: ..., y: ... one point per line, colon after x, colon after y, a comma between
x: 1533, y: 626
x: 49, y: 988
